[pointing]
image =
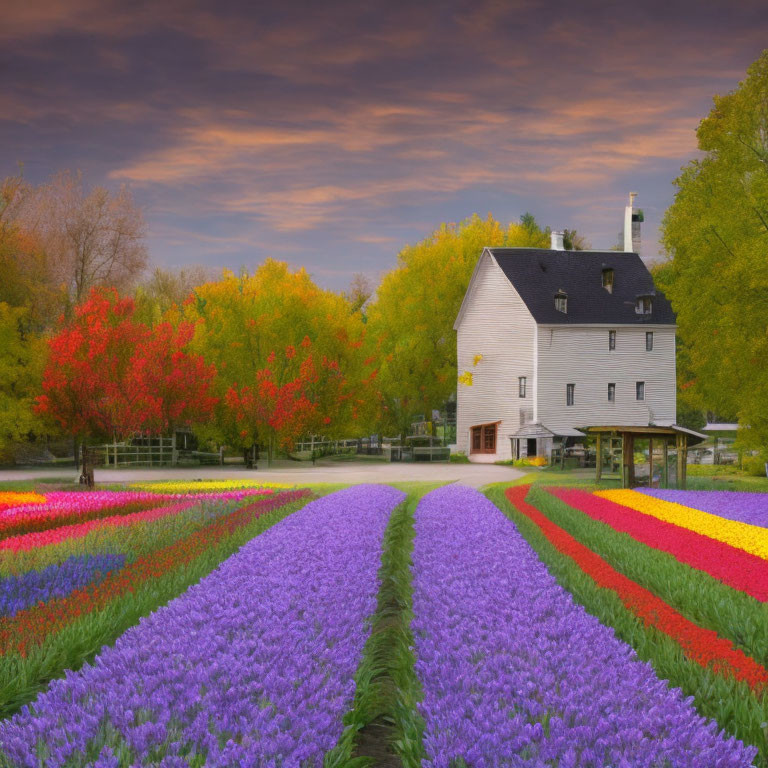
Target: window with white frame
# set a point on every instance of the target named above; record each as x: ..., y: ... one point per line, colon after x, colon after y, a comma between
x: 569, y: 394
x: 643, y: 305
x: 648, y: 341
x: 611, y: 393
x: 611, y: 340
x: 521, y: 385
x: 640, y: 390
x: 561, y: 302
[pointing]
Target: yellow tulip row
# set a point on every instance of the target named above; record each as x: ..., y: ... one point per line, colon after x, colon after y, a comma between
x: 203, y: 486
x: 750, y: 538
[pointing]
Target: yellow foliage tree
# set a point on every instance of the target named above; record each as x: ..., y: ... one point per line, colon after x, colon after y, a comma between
x: 411, y: 320
x: 273, y: 319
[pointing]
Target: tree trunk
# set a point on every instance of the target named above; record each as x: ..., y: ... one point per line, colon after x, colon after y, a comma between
x: 76, y: 451
x: 86, y: 476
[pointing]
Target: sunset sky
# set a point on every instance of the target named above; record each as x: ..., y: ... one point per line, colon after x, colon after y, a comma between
x: 330, y: 134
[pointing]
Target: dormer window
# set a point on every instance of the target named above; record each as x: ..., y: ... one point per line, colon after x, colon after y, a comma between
x: 561, y: 302
x: 643, y: 305
x: 608, y: 279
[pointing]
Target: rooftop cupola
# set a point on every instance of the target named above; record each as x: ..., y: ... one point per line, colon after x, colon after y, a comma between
x: 556, y: 241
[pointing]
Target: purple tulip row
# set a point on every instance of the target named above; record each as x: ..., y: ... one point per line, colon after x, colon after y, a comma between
x: 26, y: 589
x: 751, y: 508
x: 515, y: 673
x: 252, y: 666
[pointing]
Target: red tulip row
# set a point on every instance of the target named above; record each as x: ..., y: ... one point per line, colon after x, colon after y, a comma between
x: 702, y: 646
x: 735, y: 567
x: 30, y: 627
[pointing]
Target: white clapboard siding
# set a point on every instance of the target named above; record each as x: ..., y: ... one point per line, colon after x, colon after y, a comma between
x: 580, y: 355
x: 495, y: 323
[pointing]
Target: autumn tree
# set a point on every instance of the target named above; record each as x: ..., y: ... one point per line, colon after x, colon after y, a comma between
x: 716, y: 233
x: 278, y: 413
x: 175, y: 386
x: 360, y: 291
x: 109, y: 375
x: 92, y: 237
x: 411, y: 320
x: 89, y: 361
x: 165, y: 289
x: 275, y: 320
x: 12, y: 193
x: 27, y: 280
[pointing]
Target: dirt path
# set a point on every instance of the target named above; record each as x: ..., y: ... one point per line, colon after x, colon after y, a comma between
x: 475, y: 475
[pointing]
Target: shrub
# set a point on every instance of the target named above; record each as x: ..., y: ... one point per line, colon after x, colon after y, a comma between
x: 459, y: 458
x: 708, y: 470
x: 755, y: 466
x: 528, y: 461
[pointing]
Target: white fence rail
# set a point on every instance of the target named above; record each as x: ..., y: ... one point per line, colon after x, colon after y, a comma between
x: 161, y: 453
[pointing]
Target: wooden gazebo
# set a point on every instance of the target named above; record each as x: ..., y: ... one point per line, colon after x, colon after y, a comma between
x: 628, y: 434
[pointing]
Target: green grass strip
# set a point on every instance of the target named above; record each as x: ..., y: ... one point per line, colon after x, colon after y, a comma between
x: 384, y: 728
x: 730, y: 703
x: 23, y: 677
x: 698, y: 596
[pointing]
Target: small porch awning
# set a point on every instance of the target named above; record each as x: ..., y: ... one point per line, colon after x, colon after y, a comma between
x: 537, y: 429
x: 653, y: 430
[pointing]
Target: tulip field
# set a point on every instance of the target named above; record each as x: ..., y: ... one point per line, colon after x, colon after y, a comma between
x: 679, y: 582
x: 71, y: 587
x: 224, y: 624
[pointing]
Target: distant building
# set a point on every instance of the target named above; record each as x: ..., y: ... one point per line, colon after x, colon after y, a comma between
x: 553, y: 341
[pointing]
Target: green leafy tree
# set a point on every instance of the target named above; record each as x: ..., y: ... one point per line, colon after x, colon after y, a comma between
x: 22, y: 357
x: 573, y: 241
x: 716, y: 232
x: 411, y: 320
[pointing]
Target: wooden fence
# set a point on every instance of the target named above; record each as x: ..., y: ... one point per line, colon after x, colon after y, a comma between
x: 160, y: 452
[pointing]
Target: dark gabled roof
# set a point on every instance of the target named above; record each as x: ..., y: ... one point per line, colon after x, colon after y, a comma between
x: 538, y: 274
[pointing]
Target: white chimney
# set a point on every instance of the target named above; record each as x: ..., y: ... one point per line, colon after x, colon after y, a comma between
x: 556, y: 241
x: 632, y: 226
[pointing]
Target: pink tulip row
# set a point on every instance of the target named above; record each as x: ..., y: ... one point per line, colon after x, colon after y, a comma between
x: 52, y: 536
x: 62, y: 507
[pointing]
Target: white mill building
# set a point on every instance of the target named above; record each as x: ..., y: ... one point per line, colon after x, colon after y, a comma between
x: 552, y: 342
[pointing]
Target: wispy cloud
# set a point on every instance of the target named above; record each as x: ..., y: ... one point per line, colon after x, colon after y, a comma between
x: 318, y: 130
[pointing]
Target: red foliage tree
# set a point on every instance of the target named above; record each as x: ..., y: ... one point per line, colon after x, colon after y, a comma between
x: 108, y: 374
x: 173, y: 386
x: 275, y: 410
x: 89, y: 362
